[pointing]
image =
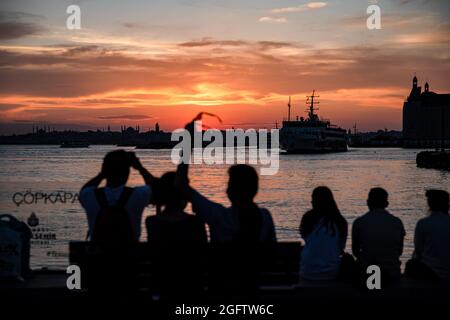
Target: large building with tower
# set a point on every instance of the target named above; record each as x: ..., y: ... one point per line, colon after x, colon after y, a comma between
x: 426, y: 118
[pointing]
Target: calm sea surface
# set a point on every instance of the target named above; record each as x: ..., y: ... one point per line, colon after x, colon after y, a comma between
x: 59, y: 173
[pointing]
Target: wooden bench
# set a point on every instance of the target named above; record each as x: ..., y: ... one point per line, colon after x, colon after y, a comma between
x: 149, y: 266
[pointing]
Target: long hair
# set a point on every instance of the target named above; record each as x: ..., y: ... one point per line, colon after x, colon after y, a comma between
x: 242, y: 188
x: 325, y: 207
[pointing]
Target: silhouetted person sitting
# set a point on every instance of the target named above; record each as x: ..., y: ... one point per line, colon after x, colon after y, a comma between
x: 234, y: 266
x: 177, y: 239
x: 172, y: 224
x: 114, y: 212
x: 324, y: 230
x: 377, y: 238
x: 431, y: 258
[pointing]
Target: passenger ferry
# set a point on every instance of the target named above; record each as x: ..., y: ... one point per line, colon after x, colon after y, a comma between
x: 311, y: 135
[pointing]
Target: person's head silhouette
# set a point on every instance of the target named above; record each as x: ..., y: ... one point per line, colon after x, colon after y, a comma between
x: 242, y: 189
x: 378, y: 199
x: 242, y: 184
x: 116, y: 167
x: 438, y: 200
x: 323, y: 200
x: 167, y: 194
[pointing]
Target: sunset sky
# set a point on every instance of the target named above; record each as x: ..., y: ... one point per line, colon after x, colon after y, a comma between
x: 140, y: 62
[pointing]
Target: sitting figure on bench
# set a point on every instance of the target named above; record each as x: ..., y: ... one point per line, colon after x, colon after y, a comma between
x: 431, y: 258
x: 324, y: 230
x: 377, y: 239
x: 114, y: 212
x: 172, y: 224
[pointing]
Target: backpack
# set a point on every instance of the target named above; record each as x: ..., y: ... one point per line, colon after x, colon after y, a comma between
x: 112, y: 224
x: 14, y: 248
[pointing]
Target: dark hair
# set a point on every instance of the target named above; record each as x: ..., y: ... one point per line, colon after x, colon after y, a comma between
x: 326, y: 208
x: 242, y: 189
x: 243, y: 183
x: 438, y: 200
x: 378, y: 198
x: 116, y: 166
x: 166, y: 193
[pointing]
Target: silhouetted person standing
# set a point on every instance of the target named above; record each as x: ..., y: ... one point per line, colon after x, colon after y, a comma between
x: 431, y: 258
x: 377, y: 238
x: 324, y: 230
x: 114, y: 212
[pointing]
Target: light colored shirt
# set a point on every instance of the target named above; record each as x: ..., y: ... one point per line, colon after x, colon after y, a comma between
x: 321, y: 255
x: 138, y: 200
x: 377, y: 238
x: 223, y: 222
x: 432, y: 243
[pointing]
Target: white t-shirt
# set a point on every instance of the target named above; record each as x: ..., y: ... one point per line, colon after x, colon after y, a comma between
x: 320, y: 257
x: 138, y: 200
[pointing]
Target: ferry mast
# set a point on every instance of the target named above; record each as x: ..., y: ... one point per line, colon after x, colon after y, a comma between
x: 289, y: 109
x: 310, y: 103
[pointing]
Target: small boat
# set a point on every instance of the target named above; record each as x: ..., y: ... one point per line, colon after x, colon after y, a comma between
x: 74, y: 144
x: 433, y: 159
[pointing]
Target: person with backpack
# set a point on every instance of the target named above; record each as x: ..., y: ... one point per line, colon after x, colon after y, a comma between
x: 324, y: 230
x: 114, y: 212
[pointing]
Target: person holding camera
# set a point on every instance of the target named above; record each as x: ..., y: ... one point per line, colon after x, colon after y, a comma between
x: 114, y: 212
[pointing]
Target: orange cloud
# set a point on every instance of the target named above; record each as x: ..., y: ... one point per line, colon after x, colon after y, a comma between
x: 243, y: 81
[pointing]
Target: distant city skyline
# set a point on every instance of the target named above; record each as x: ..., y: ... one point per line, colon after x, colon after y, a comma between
x: 142, y: 62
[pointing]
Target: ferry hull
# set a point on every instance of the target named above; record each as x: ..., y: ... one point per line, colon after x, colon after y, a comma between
x: 293, y: 141
x: 311, y: 146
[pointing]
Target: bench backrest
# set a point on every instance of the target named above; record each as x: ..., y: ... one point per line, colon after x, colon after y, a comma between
x: 149, y: 265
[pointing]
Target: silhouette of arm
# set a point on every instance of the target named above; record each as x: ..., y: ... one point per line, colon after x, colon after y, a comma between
x: 182, y: 175
x: 94, y: 182
x: 402, y: 237
x: 146, y: 175
x: 269, y: 226
x: 344, y: 235
x: 356, y: 245
x: 206, y: 209
x: 418, y: 241
x: 306, y: 226
x: 210, y: 211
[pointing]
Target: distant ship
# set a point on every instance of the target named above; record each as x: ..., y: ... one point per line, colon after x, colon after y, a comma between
x: 74, y: 144
x: 311, y: 135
